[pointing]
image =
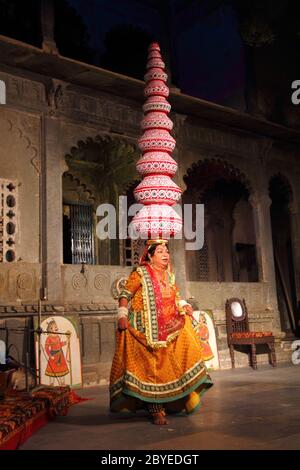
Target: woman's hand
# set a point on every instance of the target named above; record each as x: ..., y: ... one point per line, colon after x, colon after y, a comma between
x: 123, y: 323
x: 188, y: 310
x: 122, y: 313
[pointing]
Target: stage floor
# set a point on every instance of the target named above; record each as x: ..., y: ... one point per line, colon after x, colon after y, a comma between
x: 245, y: 409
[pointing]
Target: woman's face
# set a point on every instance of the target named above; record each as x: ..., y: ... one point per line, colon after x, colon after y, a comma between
x: 161, y: 257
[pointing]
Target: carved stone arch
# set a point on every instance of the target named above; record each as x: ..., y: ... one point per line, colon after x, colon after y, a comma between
x: 25, y: 130
x: 204, y: 173
x: 220, y: 186
x: 76, y: 191
x: 105, y: 166
x: 104, y: 163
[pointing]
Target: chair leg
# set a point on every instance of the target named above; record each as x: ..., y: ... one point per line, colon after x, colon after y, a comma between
x: 272, y: 354
x: 231, y: 349
x: 254, y: 358
x: 250, y: 358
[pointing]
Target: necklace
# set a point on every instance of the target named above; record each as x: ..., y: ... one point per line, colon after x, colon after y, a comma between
x: 161, y: 275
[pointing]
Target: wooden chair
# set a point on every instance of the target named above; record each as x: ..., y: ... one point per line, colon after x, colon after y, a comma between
x: 238, y: 333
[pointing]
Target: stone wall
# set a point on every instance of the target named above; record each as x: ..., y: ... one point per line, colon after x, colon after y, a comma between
x: 43, y: 119
x: 20, y: 162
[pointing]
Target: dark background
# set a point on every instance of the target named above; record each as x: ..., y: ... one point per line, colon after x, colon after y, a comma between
x: 239, y: 53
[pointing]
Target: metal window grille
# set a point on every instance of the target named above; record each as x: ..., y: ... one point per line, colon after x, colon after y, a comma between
x: 8, y: 220
x: 82, y: 237
x: 203, y: 263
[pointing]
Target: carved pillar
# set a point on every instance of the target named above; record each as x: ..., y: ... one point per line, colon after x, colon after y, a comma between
x: 227, y: 241
x: 47, y: 20
x: 54, y: 167
x: 294, y: 211
x: 178, y: 246
x: 260, y: 202
x: 178, y: 257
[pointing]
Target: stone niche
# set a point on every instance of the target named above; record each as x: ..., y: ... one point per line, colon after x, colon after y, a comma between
x: 20, y: 162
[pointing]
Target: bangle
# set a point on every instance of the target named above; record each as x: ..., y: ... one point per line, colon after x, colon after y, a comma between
x: 122, y: 312
x: 183, y: 303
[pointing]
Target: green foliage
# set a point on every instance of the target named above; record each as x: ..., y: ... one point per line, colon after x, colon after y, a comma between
x: 105, y: 164
x: 256, y: 33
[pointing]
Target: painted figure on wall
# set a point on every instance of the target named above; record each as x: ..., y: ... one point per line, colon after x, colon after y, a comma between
x: 204, y: 325
x: 57, y: 361
x: 58, y: 351
x: 203, y: 333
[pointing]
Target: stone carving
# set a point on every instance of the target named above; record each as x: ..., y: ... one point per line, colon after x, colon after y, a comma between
x: 79, y: 282
x: 99, y: 108
x: 24, y: 282
x: 179, y: 123
x: 265, y: 146
x: 2, y: 282
x: 74, y: 188
x: 20, y: 89
x: 99, y: 281
x: 26, y: 129
x: 54, y: 96
x: 194, y: 135
x: 25, y: 285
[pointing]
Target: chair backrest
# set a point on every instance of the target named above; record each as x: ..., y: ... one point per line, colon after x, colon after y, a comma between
x: 2, y: 352
x: 236, y: 316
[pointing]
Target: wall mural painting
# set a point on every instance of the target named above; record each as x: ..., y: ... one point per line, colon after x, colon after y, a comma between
x: 58, y: 352
x: 207, y: 333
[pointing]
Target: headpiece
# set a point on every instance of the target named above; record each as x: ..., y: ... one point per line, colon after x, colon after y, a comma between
x: 157, y: 192
x: 157, y: 241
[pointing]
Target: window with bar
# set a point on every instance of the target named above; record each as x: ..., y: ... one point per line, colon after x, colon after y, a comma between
x: 8, y: 220
x: 78, y: 234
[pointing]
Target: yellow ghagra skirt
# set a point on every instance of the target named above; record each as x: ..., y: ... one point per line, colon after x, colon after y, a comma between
x: 174, y: 375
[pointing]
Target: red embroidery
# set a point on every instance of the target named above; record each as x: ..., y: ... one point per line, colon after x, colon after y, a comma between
x: 251, y: 334
x: 168, y: 318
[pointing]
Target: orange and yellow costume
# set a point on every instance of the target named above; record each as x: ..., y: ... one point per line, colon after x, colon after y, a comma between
x: 57, y: 365
x: 159, y: 357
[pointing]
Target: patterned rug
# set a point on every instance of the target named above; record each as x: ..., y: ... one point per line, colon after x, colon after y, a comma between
x: 21, y: 414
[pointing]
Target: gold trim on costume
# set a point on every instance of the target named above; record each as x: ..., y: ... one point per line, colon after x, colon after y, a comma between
x: 148, y: 315
x: 158, y: 241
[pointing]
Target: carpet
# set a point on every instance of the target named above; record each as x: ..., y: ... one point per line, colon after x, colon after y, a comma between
x: 21, y: 414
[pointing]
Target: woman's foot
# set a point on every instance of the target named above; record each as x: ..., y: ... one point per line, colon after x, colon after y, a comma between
x: 159, y: 418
